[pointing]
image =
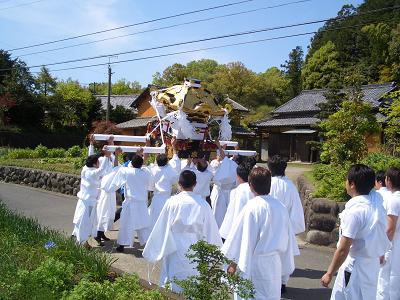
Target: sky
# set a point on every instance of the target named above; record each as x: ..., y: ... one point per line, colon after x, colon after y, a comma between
x: 28, y: 22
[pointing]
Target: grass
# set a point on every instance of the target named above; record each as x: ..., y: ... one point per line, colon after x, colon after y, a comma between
x: 63, y: 270
x: 63, y: 165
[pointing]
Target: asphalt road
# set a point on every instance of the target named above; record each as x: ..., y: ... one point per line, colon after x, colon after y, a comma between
x: 56, y: 211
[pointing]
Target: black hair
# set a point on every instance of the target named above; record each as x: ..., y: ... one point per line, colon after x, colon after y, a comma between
x: 363, y: 177
x: 238, y: 159
x: 277, y: 165
x: 380, y: 177
x: 250, y: 162
x: 92, y: 160
x: 393, y: 174
x: 187, y: 179
x: 137, y: 161
x: 125, y: 157
x: 243, y: 172
x: 260, y: 180
x: 202, y: 165
x: 161, y: 160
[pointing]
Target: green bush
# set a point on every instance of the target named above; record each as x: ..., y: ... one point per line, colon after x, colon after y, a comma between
x: 40, y: 151
x: 21, y: 153
x: 331, y: 179
x: 56, y: 153
x: 74, y: 151
x: 381, y: 162
x: 48, y: 281
x: 4, y: 152
x: 123, y: 288
x: 330, y: 182
x: 212, y: 281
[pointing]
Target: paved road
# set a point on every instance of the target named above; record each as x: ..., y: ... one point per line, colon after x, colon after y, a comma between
x: 56, y: 211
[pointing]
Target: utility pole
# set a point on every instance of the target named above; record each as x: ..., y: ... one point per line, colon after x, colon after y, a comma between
x: 109, y: 94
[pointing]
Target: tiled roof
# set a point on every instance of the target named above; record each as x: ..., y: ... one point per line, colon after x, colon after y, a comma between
x: 307, y: 100
x: 236, y: 106
x: 281, y: 122
x: 123, y: 100
x: 135, y: 123
x: 240, y: 130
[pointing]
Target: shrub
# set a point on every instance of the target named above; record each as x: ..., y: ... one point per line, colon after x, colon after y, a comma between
x: 21, y: 153
x: 74, y: 151
x: 56, y: 153
x: 212, y: 281
x: 123, y: 288
x: 380, y: 161
x: 48, y: 281
x: 40, y: 151
x: 331, y: 182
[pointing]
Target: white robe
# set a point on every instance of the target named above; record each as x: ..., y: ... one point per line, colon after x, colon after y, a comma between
x: 386, y: 194
x: 203, y: 181
x: 364, y: 221
x: 184, y: 220
x: 162, y: 180
x: 238, y: 198
x: 224, y: 182
x: 85, y: 211
x: 255, y: 243
x: 283, y: 189
x: 389, y: 274
x: 106, y: 205
x: 134, y: 214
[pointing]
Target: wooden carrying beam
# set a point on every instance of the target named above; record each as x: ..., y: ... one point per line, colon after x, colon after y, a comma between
x: 149, y: 150
x: 121, y: 138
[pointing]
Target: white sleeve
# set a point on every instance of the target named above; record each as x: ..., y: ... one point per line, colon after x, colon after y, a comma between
x: 175, y: 163
x: 90, y: 150
x: 118, y: 181
x: 350, y: 225
x: 393, y: 206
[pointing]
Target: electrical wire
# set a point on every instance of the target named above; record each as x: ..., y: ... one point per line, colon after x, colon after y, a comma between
x: 21, y: 4
x: 135, y: 24
x: 165, y: 27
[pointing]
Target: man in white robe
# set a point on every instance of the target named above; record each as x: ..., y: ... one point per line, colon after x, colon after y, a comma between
x: 362, y: 239
x: 283, y: 189
x: 203, y: 177
x: 84, y: 215
x: 238, y: 198
x: 134, y: 215
x: 260, y: 234
x: 380, y: 186
x: 389, y: 275
x: 163, y: 176
x: 185, y: 219
x: 224, y: 181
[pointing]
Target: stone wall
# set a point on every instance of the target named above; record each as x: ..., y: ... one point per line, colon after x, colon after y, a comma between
x: 321, y: 215
x: 51, y: 181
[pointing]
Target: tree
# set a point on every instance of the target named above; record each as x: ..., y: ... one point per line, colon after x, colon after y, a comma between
x: 212, y: 281
x: 346, y: 130
x: 203, y: 69
x: 392, y: 126
x: 45, y: 83
x: 322, y: 69
x: 272, y: 87
x: 120, y: 114
x: 121, y: 87
x: 76, y: 102
x: 334, y: 99
x: 174, y: 74
x: 394, y: 53
x: 292, y: 69
x: 17, y: 86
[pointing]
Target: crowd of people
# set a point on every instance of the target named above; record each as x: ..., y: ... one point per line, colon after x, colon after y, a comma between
x: 252, y: 213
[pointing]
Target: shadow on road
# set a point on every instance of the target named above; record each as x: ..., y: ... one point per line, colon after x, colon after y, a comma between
x: 307, y: 294
x: 308, y: 273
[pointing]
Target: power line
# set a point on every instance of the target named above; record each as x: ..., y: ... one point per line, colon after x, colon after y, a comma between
x: 212, y: 38
x: 167, y: 27
x: 22, y: 4
x: 135, y: 24
x: 209, y: 48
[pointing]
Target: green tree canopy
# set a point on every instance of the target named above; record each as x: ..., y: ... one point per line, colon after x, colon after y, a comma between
x: 292, y: 69
x: 346, y: 130
x: 322, y: 69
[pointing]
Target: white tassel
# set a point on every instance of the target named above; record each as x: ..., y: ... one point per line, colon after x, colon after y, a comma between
x: 157, y: 106
x: 225, y: 129
x: 186, y: 128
